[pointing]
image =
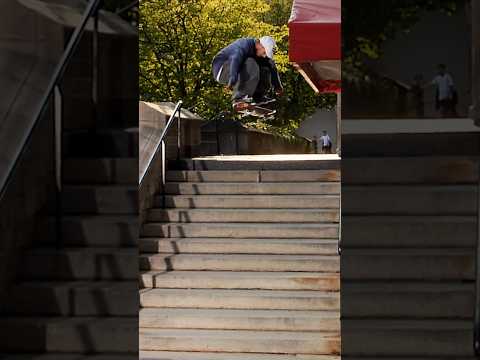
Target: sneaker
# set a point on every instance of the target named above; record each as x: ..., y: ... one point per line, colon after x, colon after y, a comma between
x: 245, y: 99
x: 262, y: 100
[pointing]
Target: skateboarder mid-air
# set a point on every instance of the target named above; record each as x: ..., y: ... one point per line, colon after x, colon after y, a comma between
x: 246, y: 66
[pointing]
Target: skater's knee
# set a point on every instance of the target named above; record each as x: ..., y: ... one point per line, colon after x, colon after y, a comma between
x: 252, y: 68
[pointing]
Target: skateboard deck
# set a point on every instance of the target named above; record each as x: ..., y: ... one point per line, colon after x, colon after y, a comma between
x: 258, y: 110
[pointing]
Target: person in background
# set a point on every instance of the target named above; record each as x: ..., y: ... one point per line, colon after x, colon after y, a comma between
x: 326, y: 143
x: 246, y: 66
x: 445, y: 98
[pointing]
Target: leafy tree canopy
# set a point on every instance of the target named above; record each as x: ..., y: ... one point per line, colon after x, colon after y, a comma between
x: 179, y: 38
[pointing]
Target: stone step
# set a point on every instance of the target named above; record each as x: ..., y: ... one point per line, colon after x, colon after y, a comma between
x: 410, y: 199
x: 70, y: 335
x: 101, y: 171
x: 216, y: 176
x: 409, y: 231
x: 275, y: 342
x: 224, y: 262
x: 300, y: 176
x: 82, y: 298
x: 244, y: 215
x: 95, y: 231
x: 240, y: 299
x: 173, y: 355
x: 245, y: 163
x: 241, y: 230
x: 254, y: 176
x: 411, y: 170
x: 448, y: 144
x: 238, y: 246
x: 400, y: 299
x: 250, y: 202
x: 407, y: 338
x: 242, y: 280
x: 318, y: 188
x: 408, y: 264
x: 81, y: 264
x: 228, y: 319
x: 100, y: 199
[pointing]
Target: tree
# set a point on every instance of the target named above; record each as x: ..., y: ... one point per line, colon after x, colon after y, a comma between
x: 179, y: 38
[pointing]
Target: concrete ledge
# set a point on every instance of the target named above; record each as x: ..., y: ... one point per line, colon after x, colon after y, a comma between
x: 408, y: 126
x: 259, y: 162
x: 410, y: 144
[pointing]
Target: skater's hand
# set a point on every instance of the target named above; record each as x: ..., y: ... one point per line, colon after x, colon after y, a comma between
x: 279, y: 92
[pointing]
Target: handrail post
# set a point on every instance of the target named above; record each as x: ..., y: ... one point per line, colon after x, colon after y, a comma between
x: 164, y: 170
x: 475, y: 62
x: 217, y: 137
x: 179, y: 134
x: 476, y: 325
x: 339, y: 124
x: 95, y: 67
x: 58, y: 161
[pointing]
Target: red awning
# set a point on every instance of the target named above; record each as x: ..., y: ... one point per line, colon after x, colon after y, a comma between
x: 315, y: 39
x: 315, y: 30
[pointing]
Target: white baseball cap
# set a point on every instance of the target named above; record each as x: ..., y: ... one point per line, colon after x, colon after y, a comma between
x: 269, y: 44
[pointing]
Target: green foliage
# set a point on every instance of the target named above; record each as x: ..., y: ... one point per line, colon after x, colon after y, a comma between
x: 179, y: 39
x: 366, y: 27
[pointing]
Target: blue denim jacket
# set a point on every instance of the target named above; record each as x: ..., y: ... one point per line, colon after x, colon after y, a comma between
x: 237, y: 52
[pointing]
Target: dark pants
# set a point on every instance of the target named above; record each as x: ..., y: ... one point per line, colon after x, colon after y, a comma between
x: 446, y: 108
x: 253, y: 81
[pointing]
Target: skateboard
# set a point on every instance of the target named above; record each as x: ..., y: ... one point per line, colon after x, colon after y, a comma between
x: 258, y: 110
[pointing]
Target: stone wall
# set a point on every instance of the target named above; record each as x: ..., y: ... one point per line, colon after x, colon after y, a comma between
x: 233, y: 138
x: 153, y: 118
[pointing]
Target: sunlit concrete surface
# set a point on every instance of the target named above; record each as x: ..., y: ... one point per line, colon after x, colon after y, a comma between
x: 279, y: 157
x: 406, y: 126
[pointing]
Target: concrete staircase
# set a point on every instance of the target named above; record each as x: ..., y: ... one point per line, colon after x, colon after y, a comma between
x: 242, y: 264
x: 408, y: 261
x: 77, y: 298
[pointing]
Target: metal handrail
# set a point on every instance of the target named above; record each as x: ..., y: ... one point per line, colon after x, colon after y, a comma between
x: 476, y: 326
x: 161, y: 144
x: 91, y: 10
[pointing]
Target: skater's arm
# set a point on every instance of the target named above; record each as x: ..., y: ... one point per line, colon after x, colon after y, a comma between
x: 276, y: 82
